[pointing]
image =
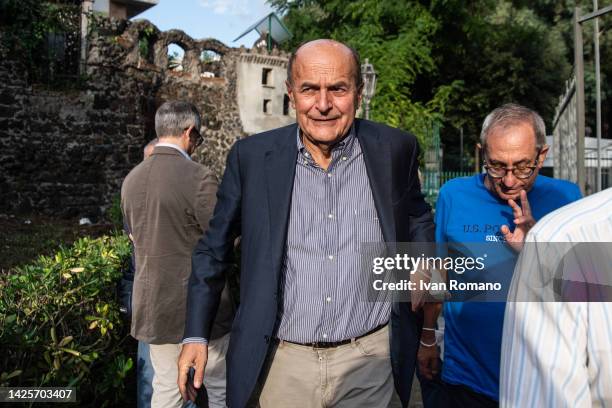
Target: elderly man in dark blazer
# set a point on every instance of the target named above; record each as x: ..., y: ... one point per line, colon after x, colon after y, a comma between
x: 303, y: 198
x: 167, y: 201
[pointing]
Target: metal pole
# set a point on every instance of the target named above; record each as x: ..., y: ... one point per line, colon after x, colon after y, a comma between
x: 461, y: 149
x: 598, y: 13
x: 86, y: 8
x: 579, y: 71
x: 367, y: 108
x: 269, y: 33
x: 476, y: 159
x: 598, y: 95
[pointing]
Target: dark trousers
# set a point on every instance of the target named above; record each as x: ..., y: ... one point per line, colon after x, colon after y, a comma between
x: 438, y: 394
x: 434, y: 391
x: 461, y: 396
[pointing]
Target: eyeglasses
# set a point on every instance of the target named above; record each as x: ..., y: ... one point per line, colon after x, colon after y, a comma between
x: 520, y: 172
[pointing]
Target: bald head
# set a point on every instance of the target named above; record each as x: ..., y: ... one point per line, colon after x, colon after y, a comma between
x: 148, y: 150
x: 310, y: 49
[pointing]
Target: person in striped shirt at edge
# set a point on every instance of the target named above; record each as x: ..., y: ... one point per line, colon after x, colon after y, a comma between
x: 559, y: 354
x: 497, y: 207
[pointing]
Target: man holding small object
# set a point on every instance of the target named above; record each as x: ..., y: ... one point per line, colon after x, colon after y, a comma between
x: 303, y: 198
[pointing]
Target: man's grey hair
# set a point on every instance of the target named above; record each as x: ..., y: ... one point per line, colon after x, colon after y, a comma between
x: 174, y: 117
x: 512, y: 114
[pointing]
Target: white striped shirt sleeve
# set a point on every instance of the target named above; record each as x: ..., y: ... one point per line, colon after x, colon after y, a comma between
x: 557, y: 354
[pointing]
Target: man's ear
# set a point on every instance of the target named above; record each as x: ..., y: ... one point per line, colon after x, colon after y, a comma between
x: 187, y: 132
x: 542, y: 155
x: 186, y: 137
x: 290, y: 93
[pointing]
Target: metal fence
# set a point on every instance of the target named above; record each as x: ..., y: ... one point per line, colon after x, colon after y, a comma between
x: 565, y: 146
x: 565, y: 135
x: 590, y: 163
x: 432, y: 181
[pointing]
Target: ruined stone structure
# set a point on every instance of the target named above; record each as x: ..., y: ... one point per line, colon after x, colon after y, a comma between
x: 66, y: 152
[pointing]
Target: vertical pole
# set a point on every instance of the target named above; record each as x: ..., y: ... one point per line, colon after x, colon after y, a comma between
x: 476, y: 159
x: 461, y: 149
x: 598, y: 95
x: 270, y: 33
x: 579, y: 71
x: 86, y: 8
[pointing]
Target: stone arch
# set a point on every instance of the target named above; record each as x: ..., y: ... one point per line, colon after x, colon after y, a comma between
x: 212, y: 58
x: 142, y: 37
x: 178, y: 37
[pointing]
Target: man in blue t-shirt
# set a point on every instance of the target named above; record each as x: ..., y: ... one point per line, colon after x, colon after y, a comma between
x: 498, y: 207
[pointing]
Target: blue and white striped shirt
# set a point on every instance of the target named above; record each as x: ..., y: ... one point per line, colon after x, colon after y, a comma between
x: 559, y: 354
x: 332, y: 213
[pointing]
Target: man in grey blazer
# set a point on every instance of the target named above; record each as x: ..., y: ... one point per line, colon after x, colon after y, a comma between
x: 167, y: 201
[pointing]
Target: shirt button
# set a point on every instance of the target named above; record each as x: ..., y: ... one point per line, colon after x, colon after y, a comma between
x: 329, y: 175
x: 343, y: 157
x: 330, y: 216
x: 324, y: 335
x: 331, y: 257
x: 328, y: 299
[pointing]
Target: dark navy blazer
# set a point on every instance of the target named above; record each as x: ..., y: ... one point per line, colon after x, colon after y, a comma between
x: 253, y: 202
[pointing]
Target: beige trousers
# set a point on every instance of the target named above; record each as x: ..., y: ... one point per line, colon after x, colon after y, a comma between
x: 352, y: 375
x: 164, y: 358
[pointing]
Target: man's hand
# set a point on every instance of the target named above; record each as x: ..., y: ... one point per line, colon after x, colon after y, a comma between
x: 192, y: 355
x: 428, y: 357
x: 523, y: 221
x: 418, y: 296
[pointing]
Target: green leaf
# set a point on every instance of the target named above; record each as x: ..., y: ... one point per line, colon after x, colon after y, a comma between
x: 65, y: 341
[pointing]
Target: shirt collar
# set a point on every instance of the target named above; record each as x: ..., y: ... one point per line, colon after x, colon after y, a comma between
x: 345, y: 146
x: 163, y: 144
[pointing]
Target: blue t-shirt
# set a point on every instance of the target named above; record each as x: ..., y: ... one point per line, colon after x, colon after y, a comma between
x: 466, y: 212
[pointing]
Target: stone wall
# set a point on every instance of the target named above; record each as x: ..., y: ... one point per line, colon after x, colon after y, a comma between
x: 66, y: 152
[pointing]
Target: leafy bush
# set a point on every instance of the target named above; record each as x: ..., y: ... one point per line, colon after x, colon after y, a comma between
x: 114, y: 214
x: 60, y: 323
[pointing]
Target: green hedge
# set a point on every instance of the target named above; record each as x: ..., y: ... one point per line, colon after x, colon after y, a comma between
x: 60, y: 323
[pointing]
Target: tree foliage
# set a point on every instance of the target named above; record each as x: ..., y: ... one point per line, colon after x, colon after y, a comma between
x: 43, y: 35
x: 394, y: 36
x: 449, y: 60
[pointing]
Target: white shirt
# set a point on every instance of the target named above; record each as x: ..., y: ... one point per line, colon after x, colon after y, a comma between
x: 163, y: 144
x: 559, y: 354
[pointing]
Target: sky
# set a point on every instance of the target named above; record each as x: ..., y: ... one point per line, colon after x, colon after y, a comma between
x: 221, y: 19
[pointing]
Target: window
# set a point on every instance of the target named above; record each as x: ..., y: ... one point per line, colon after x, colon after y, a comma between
x: 286, y: 105
x: 267, y: 106
x: 211, y: 64
x: 266, y: 76
x: 146, y: 47
x: 209, y: 56
x: 176, y: 53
